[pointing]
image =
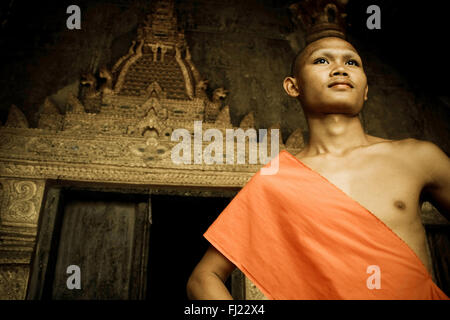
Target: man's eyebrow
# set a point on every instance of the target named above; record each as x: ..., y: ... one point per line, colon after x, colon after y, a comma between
x: 326, y: 53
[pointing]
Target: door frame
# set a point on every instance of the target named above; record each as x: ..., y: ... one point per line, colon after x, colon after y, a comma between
x: 50, y: 223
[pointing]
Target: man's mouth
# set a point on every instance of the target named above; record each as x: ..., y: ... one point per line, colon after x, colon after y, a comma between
x: 340, y: 84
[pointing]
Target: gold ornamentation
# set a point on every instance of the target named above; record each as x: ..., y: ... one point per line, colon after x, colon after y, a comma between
x: 22, y: 199
x: 16, y: 118
x: 13, y: 281
x: 151, y: 150
x: 224, y: 117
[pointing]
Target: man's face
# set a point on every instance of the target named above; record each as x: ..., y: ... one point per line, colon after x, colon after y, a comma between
x: 329, y: 78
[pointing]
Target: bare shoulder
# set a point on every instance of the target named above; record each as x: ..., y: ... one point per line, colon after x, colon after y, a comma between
x: 426, y: 155
x: 417, y: 152
x: 413, y: 147
x: 420, y: 150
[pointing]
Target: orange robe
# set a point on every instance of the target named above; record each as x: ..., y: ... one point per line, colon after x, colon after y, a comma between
x: 297, y: 236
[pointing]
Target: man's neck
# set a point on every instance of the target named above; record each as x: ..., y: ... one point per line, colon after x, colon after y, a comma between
x: 334, y: 134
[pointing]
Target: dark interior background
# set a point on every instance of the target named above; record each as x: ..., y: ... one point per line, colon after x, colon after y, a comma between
x: 177, y: 243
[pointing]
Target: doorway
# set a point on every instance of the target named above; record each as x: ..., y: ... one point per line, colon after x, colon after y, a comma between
x: 127, y: 245
x: 176, y: 242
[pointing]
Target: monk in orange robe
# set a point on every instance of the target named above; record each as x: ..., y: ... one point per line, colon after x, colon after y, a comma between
x: 340, y: 219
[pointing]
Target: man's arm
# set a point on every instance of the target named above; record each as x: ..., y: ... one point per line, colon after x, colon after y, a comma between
x: 207, y: 281
x: 437, y: 166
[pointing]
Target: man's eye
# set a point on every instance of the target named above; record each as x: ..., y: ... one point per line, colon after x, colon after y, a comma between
x: 353, y: 62
x: 320, y: 61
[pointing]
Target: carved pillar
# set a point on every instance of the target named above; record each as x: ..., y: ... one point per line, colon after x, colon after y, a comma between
x: 163, y: 52
x: 155, y: 51
x: 20, y: 202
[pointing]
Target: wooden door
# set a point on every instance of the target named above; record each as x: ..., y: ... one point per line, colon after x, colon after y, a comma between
x: 102, y: 234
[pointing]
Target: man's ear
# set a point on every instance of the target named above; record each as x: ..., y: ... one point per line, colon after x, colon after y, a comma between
x: 365, y: 93
x: 290, y: 85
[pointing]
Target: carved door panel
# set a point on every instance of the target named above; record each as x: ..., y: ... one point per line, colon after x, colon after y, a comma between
x: 101, y: 240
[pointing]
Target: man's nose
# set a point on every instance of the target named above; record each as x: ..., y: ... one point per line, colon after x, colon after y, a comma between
x: 339, y: 71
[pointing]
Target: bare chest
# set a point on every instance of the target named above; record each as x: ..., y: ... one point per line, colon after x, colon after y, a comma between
x: 385, y: 186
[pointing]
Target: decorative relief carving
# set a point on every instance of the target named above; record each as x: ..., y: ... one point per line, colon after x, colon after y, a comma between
x: 89, y: 80
x: 106, y: 87
x: 16, y: 118
x: 13, y: 281
x: 195, y: 74
x: 71, y: 149
x: 149, y: 123
x: 22, y: 207
x: 22, y: 200
x: 121, y: 78
x: 200, y: 89
x: 50, y: 107
x: 187, y: 80
x: 151, y: 150
x: 212, y: 107
x: 125, y: 57
x: 155, y: 90
x: 248, y: 121
x: 13, y: 146
x: 224, y: 117
x: 155, y: 104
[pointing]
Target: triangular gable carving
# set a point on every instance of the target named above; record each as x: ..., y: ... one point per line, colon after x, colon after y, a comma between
x: 16, y: 118
x: 153, y: 103
x: 150, y: 122
x: 224, y: 117
x: 50, y: 107
x: 248, y: 121
x: 155, y: 90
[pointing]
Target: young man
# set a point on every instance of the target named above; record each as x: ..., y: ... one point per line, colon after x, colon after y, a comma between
x: 389, y: 178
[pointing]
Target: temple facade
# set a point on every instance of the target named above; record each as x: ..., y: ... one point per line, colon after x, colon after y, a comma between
x: 81, y: 188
